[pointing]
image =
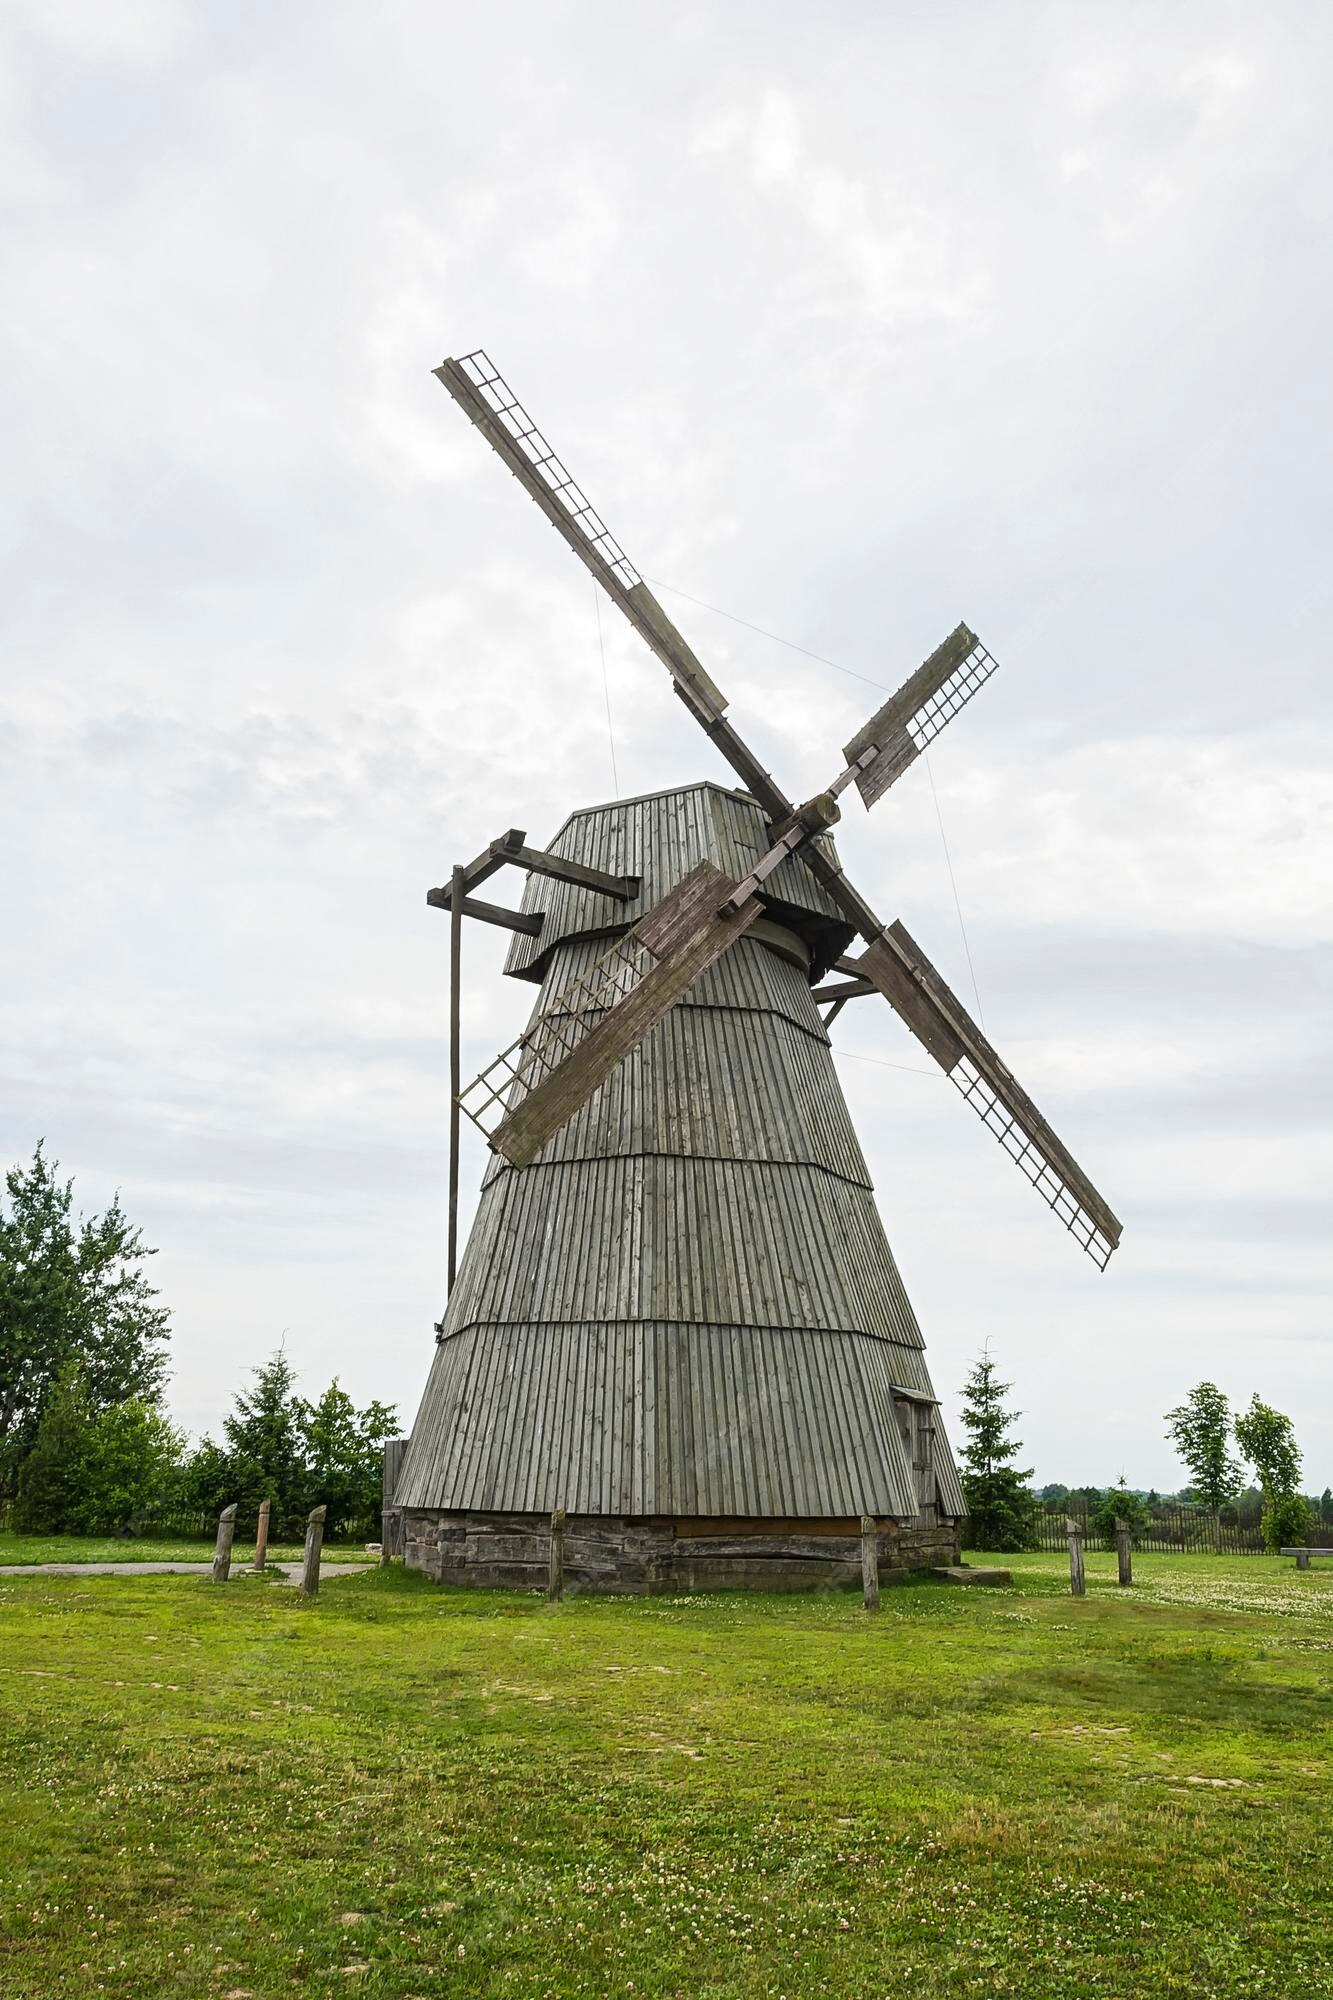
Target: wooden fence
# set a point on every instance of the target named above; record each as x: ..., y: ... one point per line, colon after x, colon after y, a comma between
x: 1171, y: 1530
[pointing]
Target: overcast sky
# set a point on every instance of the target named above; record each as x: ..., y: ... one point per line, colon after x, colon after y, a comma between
x: 853, y: 321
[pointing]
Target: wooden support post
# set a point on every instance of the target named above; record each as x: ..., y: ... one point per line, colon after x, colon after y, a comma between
x: 1123, y: 1554
x: 1077, y: 1583
x: 222, y: 1546
x: 455, y: 1065
x: 261, y: 1534
x: 869, y: 1563
x: 391, y: 1515
x: 314, y: 1542
x: 1302, y: 1559
x: 555, y: 1578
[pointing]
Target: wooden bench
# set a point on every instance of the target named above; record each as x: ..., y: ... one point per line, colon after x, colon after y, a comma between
x: 1303, y: 1555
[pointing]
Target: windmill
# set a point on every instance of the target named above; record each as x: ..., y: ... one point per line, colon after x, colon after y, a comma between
x: 678, y: 1318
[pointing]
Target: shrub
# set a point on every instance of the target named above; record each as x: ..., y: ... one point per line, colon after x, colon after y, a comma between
x: 1118, y: 1500
x: 1287, y: 1521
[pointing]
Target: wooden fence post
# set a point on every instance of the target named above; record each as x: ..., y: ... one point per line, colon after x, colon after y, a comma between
x: 261, y: 1535
x: 1123, y: 1556
x: 1077, y: 1584
x: 869, y: 1563
x: 222, y: 1546
x: 314, y: 1542
x: 555, y: 1579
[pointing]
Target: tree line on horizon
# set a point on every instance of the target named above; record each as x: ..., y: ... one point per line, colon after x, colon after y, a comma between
x: 86, y: 1446
x: 1003, y: 1509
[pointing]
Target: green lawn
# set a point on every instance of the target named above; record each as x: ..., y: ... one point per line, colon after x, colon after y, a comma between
x: 108, y: 1549
x: 405, y: 1791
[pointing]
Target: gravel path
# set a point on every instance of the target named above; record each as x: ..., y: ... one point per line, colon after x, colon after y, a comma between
x: 291, y: 1571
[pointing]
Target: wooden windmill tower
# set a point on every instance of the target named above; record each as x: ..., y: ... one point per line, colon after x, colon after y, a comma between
x: 678, y: 1317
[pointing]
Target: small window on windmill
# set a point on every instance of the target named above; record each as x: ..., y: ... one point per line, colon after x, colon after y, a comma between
x: 904, y: 1413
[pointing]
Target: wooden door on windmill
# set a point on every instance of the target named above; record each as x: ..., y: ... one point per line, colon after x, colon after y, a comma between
x: 916, y: 1421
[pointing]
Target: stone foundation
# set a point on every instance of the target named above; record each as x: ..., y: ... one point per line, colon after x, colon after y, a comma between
x: 655, y: 1557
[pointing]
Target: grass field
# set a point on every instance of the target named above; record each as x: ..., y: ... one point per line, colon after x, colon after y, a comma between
x: 107, y: 1548
x: 405, y: 1791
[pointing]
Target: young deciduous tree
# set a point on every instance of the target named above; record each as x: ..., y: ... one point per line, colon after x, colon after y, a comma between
x: 1268, y: 1440
x: 72, y: 1291
x: 345, y: 1456
x: 1002, y: 1510
x: 94, y: 1471
x: 1200, y: 1429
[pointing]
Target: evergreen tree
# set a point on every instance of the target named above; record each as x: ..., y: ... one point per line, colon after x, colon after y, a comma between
x: 1200, y: 1429
x: 296, y: 1455
x: 1268, y: 1440
x: 264, y: 1454
x: 1002, y: 1510
x: 72, y: 1291
x: 1326, y: 1504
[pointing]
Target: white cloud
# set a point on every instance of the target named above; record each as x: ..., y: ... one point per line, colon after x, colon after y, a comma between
x: 878, y: 328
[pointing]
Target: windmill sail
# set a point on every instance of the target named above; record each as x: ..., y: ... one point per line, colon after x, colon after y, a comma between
x: 914, y: 989
x: 898, y: 732
x: 479, y: 389
x: 589, y: 1028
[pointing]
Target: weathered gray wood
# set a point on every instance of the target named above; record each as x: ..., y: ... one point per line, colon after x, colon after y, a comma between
x: 623, y: 887
x: 634, y: 598
x: 555, y: 1574
x: 314, y: 1542
x: 261, y: 1535
x: 686, y: 932
x: 1306, y: 1553
x: 456, y: 904
x: 887, y: 723
x: 222, y: 1546
x: 391, y: 1514
x: 1124, y: 1557
x: 487, y: 913
x: 1077, y: 1579
x: 915, y: 990
x: 869, y: 1563
x: 843, y: 990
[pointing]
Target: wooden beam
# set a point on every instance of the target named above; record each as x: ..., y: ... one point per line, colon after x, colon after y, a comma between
x: 458, y: 903
x: 623, y: 887
x: 487, y: 913
x: 843, y: 990
x: 492, y: 857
